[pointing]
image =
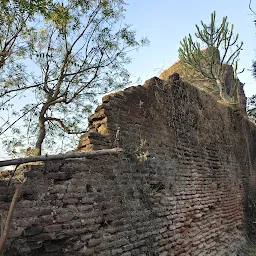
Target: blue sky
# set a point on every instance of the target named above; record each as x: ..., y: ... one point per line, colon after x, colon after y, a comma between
x: 167, y: 22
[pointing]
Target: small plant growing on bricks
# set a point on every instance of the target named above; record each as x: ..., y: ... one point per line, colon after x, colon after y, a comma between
x: 141, y: 153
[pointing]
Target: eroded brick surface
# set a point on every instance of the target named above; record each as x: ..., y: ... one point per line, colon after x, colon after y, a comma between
x: 179, y: 188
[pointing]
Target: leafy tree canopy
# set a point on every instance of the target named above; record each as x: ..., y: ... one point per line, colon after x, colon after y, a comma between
x: 62, y: 55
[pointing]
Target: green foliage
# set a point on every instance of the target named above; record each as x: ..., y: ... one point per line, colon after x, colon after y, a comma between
x: 215, y: 40
x: 148, y: 189
x: 141, y: 153
x: 77, y: 51
x: 16, y: 20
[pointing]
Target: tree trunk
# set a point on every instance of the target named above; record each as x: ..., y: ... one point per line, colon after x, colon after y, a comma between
x: 223, y: 94
x: 41, y: 135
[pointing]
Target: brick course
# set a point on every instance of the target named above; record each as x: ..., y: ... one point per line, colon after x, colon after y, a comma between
x: 179, y: 188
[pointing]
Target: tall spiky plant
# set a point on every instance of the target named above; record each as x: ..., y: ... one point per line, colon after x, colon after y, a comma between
x: 214, y: 39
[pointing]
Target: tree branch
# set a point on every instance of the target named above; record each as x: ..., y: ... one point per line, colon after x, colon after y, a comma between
x: 25, y: 88
x: 251, y: 8
x: 9, y: 216
x: 90, y: 19
x: 18, y: 119
x: 46, y: 88
x: 7, y: 48
x: 65, y: 128
x: 112, y: 151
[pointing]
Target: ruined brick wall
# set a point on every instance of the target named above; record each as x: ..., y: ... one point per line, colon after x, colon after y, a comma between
x: 179, y: 187
x: 197, y: 79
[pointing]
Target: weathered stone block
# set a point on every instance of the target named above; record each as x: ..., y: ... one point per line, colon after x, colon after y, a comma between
x: 33, y: 230
x: 53, y: 228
